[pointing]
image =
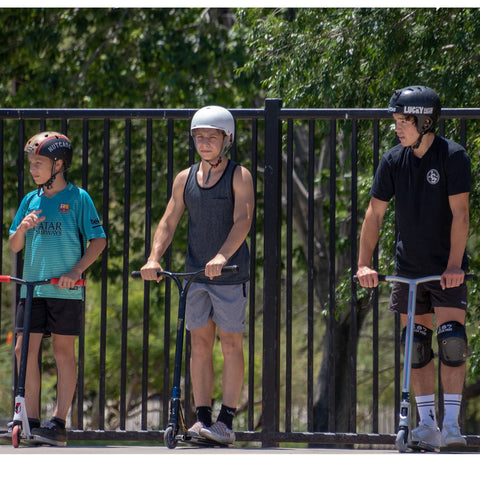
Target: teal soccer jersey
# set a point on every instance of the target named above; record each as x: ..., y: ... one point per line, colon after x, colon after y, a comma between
x: 56, y: 245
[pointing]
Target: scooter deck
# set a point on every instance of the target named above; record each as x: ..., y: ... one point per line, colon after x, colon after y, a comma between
x: 424, y: 447
x: 200, y: 441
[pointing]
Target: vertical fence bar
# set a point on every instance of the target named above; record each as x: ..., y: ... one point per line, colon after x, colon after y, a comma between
x: 146, y: 287
x: 288, y: 280
x: 168, y: 285
x: 126, y: 236
x: 310, y: 271
x: 375, y: 316
x: 271, y: 272
x: 104, y: 295
x: 332, y: 280
x: 353, y: 285
x: 253, y: 289
x: 81, y: 338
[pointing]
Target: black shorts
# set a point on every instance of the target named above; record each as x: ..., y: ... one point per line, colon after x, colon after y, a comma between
x: 429, y: 296
x: 52, y: 315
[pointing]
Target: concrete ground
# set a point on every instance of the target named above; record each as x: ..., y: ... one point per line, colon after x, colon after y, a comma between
x: 90, y: 462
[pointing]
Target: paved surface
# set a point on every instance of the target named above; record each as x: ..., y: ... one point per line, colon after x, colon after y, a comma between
x: 118, y: 462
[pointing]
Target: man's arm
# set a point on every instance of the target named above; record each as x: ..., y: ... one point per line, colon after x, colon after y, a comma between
x: 368, y: 241
x: 166, y: 228
x: 454, y: 275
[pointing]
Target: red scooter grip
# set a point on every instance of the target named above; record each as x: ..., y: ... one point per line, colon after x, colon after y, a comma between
x: 79, y: 283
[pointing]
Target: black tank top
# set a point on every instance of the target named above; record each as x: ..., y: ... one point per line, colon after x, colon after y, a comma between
x: 210, y: 219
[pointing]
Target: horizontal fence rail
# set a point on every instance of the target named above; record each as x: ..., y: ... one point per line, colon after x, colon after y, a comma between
x: 311, y: 170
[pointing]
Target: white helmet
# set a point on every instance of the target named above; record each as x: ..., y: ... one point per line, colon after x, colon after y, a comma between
x: 214, y: 117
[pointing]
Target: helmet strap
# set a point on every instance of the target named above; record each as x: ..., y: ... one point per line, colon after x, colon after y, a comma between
x: 49, y: 183
x: 212, y: 165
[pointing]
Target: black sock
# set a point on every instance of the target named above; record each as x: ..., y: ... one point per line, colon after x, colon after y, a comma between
x: 58, y: 421
x: 34, y: 422
x: 204, y: 415
x: 226, y: 415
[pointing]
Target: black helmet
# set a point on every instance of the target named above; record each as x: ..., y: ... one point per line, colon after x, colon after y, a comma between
x: 52, y: 145
x: 421, y: 102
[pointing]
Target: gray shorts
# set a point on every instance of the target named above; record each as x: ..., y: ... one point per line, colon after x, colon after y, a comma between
x: 224, y: 304
x: 429, y: 296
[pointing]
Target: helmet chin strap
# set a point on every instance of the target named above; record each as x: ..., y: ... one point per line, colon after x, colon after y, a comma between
x: 225, y: 149
x: 49, y: 183
x: 418, y: 142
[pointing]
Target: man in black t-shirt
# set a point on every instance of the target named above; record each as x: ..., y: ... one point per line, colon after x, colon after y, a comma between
x: 430, y: 178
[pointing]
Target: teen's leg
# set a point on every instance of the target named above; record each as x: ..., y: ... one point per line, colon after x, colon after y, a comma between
x: 233, y: 366
x: 453, y: 378
x: 422, y: 379
x: 201, y: 363
x: 64, y: 352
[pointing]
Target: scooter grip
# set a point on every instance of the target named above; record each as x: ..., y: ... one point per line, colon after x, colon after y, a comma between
x: 79, y: 283
x: 230, y: 269
x: 381, y: 278
x: 5, y: 278
x: 136, y: 274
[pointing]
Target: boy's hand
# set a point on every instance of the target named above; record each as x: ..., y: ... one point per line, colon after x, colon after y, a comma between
x: 214, y: 267
x: 69, y: 279
x: 31, y: 220
x: 149, y: 271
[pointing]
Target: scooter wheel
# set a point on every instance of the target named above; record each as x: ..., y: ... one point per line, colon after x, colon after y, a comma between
x: 169, y: 437
x: 401, y: 441
x: 16, y: 436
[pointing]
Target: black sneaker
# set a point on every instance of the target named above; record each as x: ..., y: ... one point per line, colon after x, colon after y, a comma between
x: 52, y: 433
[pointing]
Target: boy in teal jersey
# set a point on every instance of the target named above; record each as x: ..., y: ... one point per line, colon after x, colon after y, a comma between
x: 53, y: 225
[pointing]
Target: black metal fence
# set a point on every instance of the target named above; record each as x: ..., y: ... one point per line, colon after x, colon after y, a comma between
x: 312, y: 169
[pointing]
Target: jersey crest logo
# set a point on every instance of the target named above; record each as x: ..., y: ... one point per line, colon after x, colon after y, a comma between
x: 433, y: 177
x: 64, y: 208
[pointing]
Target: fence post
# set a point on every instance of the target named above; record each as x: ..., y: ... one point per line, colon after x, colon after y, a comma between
x: 271, y: 272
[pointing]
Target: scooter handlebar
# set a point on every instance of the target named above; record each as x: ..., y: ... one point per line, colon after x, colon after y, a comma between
x: 383, y: 278
x: 227, y: 269
x: 53, y: 281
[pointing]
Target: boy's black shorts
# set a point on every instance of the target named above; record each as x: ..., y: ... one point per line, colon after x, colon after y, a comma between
x: 429, y: 296
x: 52, y: 315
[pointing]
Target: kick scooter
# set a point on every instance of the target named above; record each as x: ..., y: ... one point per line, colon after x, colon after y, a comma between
x: 177, y: 430
x: 404, y: 425
x: 21, y: 427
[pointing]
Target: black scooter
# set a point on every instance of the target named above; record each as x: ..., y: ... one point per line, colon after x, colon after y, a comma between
x: 177, y: 430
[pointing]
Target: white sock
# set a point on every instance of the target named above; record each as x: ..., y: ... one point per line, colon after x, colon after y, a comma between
x: 426, y: 409
x: 452, y: 403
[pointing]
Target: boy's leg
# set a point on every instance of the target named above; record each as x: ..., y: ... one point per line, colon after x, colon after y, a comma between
x: 233, y: 366
x: 233, y: 374
x: 201, y: 363
x: 64, y: 352
x: 32, y: 379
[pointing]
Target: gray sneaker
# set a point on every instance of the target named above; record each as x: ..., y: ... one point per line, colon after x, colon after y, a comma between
x: 194, y: 430
x: 219, y: 433
x: 452, y: 436
x: 428, y: 434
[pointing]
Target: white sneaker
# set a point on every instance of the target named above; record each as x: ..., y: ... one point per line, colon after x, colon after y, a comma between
x: 429, y: 434
x: 452, y: 436
x: 219, y: 433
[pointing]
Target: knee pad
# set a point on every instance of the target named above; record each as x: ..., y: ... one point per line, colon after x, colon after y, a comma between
x: 422, y: 351
x: 452, y: 344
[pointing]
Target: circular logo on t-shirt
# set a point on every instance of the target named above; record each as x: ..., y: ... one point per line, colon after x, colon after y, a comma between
x: 433, y: 177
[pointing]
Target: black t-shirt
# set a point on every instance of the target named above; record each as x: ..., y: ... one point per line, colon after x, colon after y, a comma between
x: 423, y: 217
